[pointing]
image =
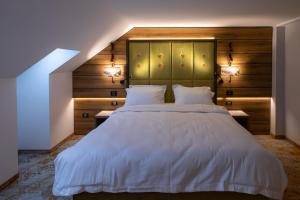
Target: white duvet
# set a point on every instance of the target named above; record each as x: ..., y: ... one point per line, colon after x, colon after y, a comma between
x: 169, y: 148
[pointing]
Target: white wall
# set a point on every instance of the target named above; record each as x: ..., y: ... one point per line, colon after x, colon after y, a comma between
x: 33, y: 99
x: 277, y: 101
x: 8, y: 130
x: 33, y: 108
x: 292, y: 85
x: 32, y: 28
x: 61, y: 106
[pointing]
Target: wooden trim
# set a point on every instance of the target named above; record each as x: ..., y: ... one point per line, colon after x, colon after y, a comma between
x: 53, y: 149
x: 215, y: 71
x: 9, y: 182
x: 169, y: 196
x: 294, y: 143
x: 278, y: 137
x: 127, y: 65
x: 24, y: 151
x: 283, y: 137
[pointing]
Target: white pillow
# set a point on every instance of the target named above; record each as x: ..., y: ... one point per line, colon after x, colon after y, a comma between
x: 143, y: 95
x: 192, y: 95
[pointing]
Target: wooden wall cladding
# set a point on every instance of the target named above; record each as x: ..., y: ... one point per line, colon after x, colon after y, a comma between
x: 252, y: 52
x: 91, y: 107
x: 258, y: 110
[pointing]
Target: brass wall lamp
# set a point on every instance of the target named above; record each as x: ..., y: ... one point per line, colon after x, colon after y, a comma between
x: 112, y: 70
x: 230, y: 69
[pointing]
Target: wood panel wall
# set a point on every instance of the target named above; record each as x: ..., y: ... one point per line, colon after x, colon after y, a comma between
x: 252, y: 52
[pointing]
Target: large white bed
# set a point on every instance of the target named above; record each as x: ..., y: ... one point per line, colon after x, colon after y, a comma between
x: 169, y: 148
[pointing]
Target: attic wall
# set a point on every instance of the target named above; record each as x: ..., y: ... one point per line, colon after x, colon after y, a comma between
x: 39, y: 103
x: 61, y: 107
x: 291, y: 77
x: 8, y: 131
x: 252, y: 51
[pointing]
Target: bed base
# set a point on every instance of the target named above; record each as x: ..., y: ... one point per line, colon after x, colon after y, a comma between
x: 168, y: 196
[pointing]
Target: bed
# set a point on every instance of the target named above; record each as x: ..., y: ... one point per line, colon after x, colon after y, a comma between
x: 169, y: 149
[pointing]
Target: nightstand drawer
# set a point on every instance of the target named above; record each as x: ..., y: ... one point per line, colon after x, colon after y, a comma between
x: 102, y: 116
x: 240, y: 116
x: 242, y: 121
x: 100, y: 121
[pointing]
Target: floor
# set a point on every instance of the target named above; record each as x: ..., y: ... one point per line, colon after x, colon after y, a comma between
x: 37, y: 171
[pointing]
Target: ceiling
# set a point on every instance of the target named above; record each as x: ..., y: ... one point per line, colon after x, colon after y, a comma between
x: 31, y: 29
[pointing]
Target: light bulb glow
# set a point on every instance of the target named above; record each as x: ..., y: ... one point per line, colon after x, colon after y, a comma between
x: 112, y: 71
x: 232, y: 70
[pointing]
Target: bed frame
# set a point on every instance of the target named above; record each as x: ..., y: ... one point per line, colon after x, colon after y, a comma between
x: 166, y: 196
x: 154, y: 62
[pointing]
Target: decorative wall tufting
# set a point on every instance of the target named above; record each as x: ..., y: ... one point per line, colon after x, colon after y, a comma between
x: 167, y: 62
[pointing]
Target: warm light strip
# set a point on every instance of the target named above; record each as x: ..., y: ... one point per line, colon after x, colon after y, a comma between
x: 97, y: 99
x: 245, y: 98
x: 187, y: 38
x: 219, y: 98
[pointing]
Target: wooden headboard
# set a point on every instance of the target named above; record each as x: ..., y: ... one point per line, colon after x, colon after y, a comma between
x: 167, y: 62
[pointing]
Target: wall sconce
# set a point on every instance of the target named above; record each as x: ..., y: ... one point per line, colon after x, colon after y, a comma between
x: 230, y: 69
x: 112, y: 70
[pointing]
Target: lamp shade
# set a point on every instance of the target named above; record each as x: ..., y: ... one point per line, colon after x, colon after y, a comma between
x: 112, y: 71
x: 232, y: 70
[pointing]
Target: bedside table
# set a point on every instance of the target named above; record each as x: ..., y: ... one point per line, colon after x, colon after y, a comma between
x: 102, y: 116
x: 240, y: 116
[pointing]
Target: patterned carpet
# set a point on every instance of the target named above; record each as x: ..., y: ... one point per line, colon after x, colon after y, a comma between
x: 37, y: 171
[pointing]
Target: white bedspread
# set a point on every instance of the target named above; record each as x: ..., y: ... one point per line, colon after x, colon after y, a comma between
x: 169, y: 148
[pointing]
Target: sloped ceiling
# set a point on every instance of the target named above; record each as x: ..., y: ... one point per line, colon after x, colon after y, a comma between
x: 31, y: 29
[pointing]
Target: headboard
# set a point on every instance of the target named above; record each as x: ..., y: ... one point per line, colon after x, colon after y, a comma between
x: 167, y: 62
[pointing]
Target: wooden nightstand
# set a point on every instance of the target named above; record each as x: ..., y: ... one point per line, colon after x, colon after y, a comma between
x: 240, y: 116
x: 102, y: 116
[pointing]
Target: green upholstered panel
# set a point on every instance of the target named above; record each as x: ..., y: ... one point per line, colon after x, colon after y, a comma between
x: 160, y: 60
x: 204, y: 60
x: 182, y: 60
x: 140, y: 82
x: 139, y: 60
x: 189, y: 63
x: 186, y: 83
x: 168, y: 83
x: 199, y: 83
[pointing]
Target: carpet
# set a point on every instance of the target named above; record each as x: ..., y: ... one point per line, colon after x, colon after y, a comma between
x: 37, y: 171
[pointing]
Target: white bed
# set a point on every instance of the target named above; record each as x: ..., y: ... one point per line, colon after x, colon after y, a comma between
x: 169, y: 148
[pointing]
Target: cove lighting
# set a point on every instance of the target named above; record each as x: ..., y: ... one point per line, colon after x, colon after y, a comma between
x: 245, y: 98
x: 98, y: 99
x: 219, y: 99
x: 174, y: 38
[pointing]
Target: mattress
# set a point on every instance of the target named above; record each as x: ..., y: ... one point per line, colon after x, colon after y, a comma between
x: 170, y: 149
